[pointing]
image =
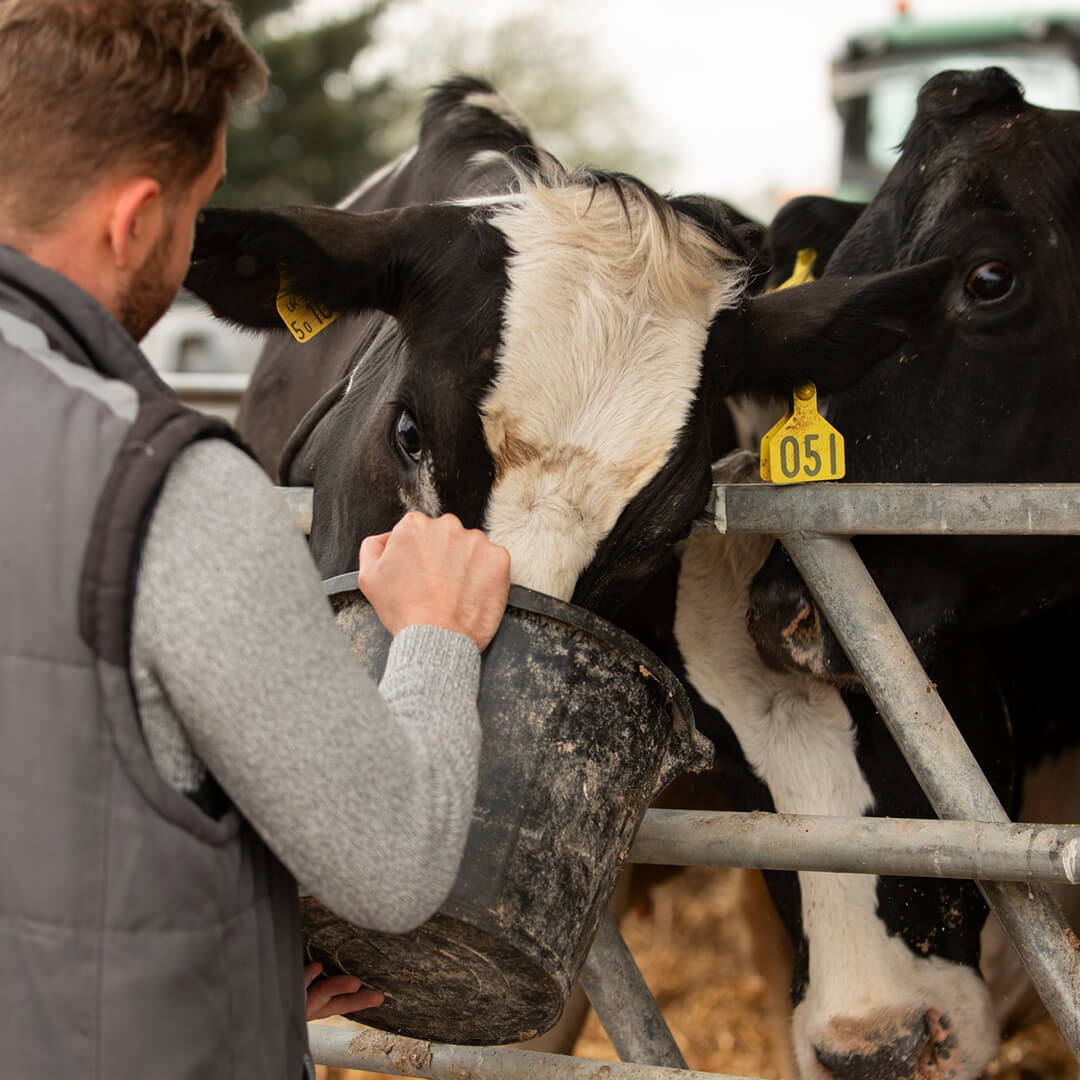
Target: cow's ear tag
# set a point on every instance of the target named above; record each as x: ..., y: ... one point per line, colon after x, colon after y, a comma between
x: 801, y: 272
x: 802, y: 445
x: 302, y: 316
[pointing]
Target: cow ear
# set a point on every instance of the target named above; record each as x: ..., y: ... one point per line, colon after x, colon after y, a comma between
x: 829, y: 332
x: 241, y: 259
x: 810, y: 222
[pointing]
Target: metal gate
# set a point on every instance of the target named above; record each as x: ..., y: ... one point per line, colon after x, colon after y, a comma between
x: 1009, y: 861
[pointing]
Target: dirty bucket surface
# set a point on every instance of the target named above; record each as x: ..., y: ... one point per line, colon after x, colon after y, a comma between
x: 582, y: 727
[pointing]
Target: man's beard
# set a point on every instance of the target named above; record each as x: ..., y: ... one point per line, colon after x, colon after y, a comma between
x: 150, y: 292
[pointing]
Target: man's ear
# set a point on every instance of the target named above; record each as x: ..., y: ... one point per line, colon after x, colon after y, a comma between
x: 136, y: 220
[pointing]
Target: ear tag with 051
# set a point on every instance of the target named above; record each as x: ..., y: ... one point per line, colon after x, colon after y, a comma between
x: 802, y: 445
x: 303, y: 316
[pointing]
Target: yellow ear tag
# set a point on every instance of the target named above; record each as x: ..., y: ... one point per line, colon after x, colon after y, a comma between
x: 803, y: 445
x: 304, y: 317
x: 801, y: 272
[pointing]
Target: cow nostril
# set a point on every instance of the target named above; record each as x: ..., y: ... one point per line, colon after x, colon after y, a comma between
x: 884, y: 1052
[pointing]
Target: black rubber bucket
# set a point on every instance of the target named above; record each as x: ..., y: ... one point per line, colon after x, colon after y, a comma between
x: 583, y: 727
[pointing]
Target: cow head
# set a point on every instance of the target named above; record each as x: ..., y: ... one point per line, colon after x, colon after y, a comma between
x: 981, y: 390
x: 546, y: 364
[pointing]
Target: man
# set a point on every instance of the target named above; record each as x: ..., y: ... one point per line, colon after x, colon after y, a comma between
x: 185, y: 731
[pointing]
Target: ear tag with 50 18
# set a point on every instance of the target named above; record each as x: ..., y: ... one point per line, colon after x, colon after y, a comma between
x: 304, y: 317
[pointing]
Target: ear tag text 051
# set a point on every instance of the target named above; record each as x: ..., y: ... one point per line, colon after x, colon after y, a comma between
x: 803, y: 445
x: 303, y: 316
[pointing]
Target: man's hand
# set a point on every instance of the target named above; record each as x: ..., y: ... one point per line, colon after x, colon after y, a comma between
x: 436, y: 572
x: 336, y: 994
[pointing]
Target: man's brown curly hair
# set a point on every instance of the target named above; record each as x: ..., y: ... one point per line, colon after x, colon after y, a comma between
x: 92, y: 88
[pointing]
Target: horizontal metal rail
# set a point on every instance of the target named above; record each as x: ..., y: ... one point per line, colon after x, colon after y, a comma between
x: 860, y: 509
x: 911, y: 847
x: 915, y: 509
x: 380, y: 1052
x: 217, y: 392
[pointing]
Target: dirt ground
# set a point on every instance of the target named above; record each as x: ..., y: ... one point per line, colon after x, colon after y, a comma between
x: 698, y: 943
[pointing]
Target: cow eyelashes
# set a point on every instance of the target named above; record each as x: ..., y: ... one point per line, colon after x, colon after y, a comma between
x: 989, y: 282
x: 407, y: 436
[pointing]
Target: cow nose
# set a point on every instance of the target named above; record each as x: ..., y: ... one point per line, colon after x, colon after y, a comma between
x: 891, y: 1047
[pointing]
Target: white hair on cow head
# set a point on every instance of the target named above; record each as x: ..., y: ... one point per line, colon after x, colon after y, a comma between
x: 498, y: 103
x: 610, y: 295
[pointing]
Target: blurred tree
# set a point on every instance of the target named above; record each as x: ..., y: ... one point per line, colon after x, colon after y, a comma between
x: 345, y: 96
x: 310, y: 138
x: 579, y: 112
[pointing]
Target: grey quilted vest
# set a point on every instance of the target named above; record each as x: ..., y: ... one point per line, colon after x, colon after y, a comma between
x: 139, y: 937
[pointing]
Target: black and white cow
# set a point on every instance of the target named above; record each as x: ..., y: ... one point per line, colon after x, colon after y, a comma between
x: 982, y: 391
x: 546, y: 354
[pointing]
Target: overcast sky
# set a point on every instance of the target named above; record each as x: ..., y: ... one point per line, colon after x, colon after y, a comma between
x: 737, y: 90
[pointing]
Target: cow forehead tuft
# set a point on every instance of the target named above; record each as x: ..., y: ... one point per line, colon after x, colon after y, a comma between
x: 608, y: 304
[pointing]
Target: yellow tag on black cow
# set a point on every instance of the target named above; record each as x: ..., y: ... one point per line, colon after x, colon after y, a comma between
x: 802, y: 271
x: 303, y: 316
x: 803, y: 445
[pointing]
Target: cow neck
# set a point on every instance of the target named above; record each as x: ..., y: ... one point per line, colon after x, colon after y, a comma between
x: 77, y: 326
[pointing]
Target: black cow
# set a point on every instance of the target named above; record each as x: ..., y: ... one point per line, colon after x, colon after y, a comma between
x: 546, y: 354
x: 981, y: 392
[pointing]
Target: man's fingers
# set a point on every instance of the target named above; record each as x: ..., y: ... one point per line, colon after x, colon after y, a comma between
x: 340, y: 994
x: 371, y: 547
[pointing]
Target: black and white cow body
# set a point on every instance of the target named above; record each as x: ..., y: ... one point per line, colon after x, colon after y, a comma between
x: 548, y: 356
x: 982, y: 392
x: 885, y: 979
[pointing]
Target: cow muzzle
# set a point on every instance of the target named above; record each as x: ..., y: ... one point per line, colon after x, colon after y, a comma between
x: 901, y: 1045
x: 786, y: 627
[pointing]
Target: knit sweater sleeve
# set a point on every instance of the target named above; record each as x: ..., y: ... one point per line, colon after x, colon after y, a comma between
x: 365, y: 792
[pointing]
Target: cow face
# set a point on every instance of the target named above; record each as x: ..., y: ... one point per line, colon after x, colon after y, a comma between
x: 545, y: 365
x: 976, y: 393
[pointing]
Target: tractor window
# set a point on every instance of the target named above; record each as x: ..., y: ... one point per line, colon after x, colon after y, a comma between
x: 1052, y: 80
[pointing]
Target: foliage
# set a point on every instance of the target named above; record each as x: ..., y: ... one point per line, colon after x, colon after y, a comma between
x: 581, y: 114
x: 345, y: 97
x: 310, y: 139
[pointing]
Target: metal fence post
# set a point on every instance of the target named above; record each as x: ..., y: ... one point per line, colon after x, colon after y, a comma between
x: 623, y: 1003
x: 939, y: 757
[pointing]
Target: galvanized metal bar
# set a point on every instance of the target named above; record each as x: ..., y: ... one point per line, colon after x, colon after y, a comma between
x: 379, y: 1052
x: 217, y: 392
x: 913, y: 847
x: 940, y: 758
x: 916, y: 509
x: 623, y: 1002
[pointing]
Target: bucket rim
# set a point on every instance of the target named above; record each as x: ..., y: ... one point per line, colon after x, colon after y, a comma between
x: 538, y: 603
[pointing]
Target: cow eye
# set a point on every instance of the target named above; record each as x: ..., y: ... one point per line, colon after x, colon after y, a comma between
x: 408, y: 435
x: 990, y: 281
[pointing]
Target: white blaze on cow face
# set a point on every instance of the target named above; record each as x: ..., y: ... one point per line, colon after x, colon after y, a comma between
x: 864, y: 987
x: 604, y: 323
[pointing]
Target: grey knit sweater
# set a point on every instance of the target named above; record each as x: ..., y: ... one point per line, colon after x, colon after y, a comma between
x: 364, y: 792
